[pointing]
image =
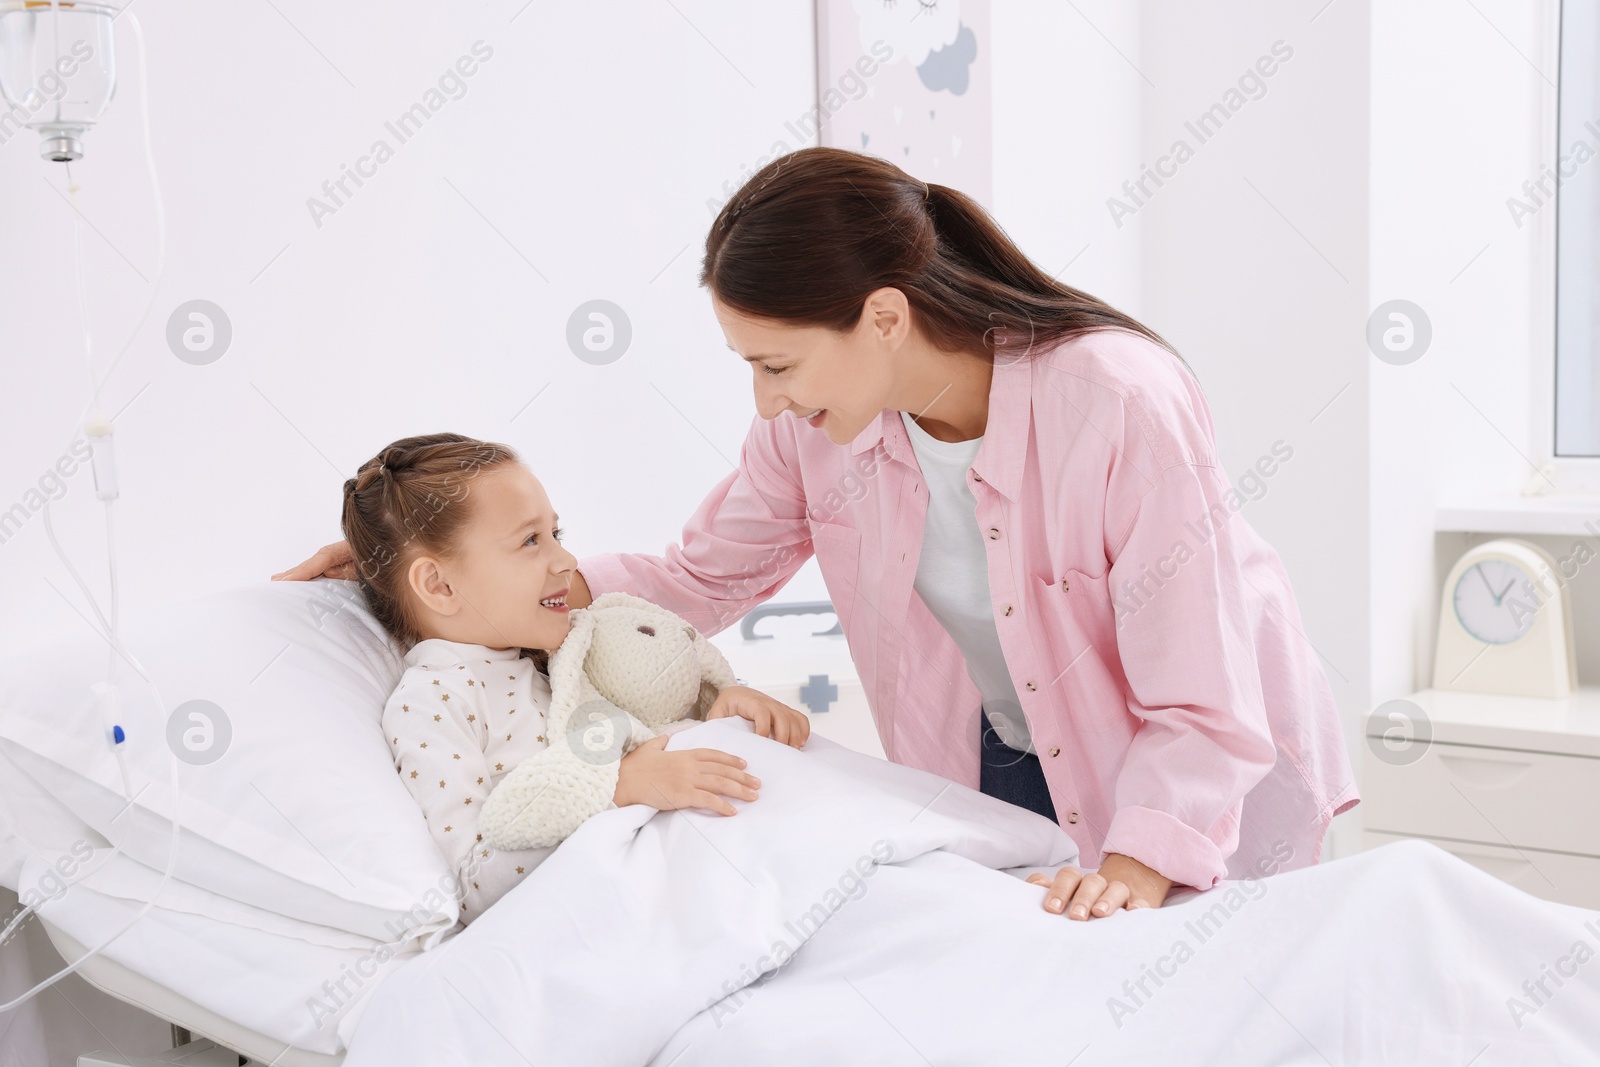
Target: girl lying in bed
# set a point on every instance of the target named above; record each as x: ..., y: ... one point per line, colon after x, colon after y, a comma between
x: 459, y: 558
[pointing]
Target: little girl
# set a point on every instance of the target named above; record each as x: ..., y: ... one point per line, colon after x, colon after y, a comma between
x: 458, y: 556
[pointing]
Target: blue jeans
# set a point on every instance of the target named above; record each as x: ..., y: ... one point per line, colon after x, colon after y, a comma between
x: 1012, y: 776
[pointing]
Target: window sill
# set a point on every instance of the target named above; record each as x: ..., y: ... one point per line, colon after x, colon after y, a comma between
x: 1557, y: 513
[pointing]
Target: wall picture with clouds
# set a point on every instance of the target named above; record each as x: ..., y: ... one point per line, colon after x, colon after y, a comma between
x: 908, y: 80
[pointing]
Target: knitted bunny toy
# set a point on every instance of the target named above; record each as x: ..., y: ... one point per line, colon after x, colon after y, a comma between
x: 627, y: 669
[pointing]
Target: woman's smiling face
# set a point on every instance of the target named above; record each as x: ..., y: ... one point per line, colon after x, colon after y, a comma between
x: 837, y: 380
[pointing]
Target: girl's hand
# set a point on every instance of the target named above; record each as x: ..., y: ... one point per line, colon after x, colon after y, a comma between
x: 1121, y: 882
x: 688, y: 778
x: 772, y: 718
x: 331, y: 561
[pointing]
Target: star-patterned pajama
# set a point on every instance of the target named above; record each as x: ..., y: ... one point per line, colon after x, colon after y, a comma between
x: 461, y: 718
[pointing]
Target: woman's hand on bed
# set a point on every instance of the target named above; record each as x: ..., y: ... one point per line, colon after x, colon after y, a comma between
x: 772, y: 718
x: 686, y: 778
x: 331, y: 561
x: 1121, y: 882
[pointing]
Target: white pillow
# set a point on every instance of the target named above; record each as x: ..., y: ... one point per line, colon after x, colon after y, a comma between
x: 299, y: 811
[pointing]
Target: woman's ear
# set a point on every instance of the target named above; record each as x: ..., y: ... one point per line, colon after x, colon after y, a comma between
x: 886, y: 315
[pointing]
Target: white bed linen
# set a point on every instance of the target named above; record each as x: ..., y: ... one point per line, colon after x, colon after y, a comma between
x: 636, y: 943
x: 300, y: 812
x: 271, y: 982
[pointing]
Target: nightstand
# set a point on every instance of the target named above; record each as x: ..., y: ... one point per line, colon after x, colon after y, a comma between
x: 1509, y: 784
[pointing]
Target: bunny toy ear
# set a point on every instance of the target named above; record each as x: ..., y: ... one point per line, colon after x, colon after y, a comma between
x: 715, y: 672
x: 566, y: 672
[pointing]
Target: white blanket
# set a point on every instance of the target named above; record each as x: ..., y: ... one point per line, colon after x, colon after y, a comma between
x: 869, y: 892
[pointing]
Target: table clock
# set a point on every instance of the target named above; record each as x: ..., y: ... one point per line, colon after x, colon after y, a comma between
x: 1505, y: 624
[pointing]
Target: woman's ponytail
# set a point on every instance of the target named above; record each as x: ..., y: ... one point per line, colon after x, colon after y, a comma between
x: 814, y: 232
x: 969, y: 235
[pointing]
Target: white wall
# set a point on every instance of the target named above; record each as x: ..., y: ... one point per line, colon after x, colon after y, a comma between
x: 1455, y: 131
x: 590, y: 143
x: 1066, y: 128
x: 1372, y: 169
x: 1254, y: 260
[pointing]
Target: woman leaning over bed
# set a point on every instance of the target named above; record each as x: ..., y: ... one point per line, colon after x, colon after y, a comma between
x: 1014, y: 496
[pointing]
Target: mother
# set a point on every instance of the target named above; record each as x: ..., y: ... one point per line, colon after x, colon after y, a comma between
x: 1014, y: 496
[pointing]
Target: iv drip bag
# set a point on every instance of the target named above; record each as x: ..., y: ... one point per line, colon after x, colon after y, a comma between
x: 57, y: 71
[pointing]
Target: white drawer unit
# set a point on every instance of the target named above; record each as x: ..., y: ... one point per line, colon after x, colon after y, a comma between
x: 1558, y: 876
x: 793, y: 653
x: 1509, y: 784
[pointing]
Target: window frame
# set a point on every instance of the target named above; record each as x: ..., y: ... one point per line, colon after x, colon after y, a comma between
x: 1572, y: 474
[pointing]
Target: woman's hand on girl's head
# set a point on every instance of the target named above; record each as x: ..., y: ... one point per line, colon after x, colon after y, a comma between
x: 772, y: 718
x: 331, y: 561
x: 687, y: 778
x: 578, y: 594
x: 1121, y: 882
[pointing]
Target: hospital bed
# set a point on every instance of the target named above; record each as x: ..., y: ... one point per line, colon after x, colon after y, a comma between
x: 787, y: 669
x: 859, y: 912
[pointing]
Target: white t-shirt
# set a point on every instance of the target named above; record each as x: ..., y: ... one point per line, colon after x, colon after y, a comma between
x: 461, y: 717
x: 953, y: 577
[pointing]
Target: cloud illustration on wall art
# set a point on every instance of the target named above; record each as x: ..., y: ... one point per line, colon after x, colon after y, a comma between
x: 947, y: 67
x: 912, y: 28
x: 932, y: 115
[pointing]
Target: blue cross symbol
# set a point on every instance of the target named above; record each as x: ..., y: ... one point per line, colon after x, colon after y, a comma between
x: 817, y: 694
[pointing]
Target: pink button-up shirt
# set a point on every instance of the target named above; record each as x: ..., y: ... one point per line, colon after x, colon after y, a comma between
x: 1180, y: 715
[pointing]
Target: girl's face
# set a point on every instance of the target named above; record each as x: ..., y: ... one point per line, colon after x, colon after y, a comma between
x: 496, y: 588
x: 837, y: 381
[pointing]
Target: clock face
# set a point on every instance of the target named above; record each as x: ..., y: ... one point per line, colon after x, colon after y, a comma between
x: 1495, y: 601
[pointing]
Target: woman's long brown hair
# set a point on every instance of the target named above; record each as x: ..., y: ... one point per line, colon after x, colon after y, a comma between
x: 814, y: 232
